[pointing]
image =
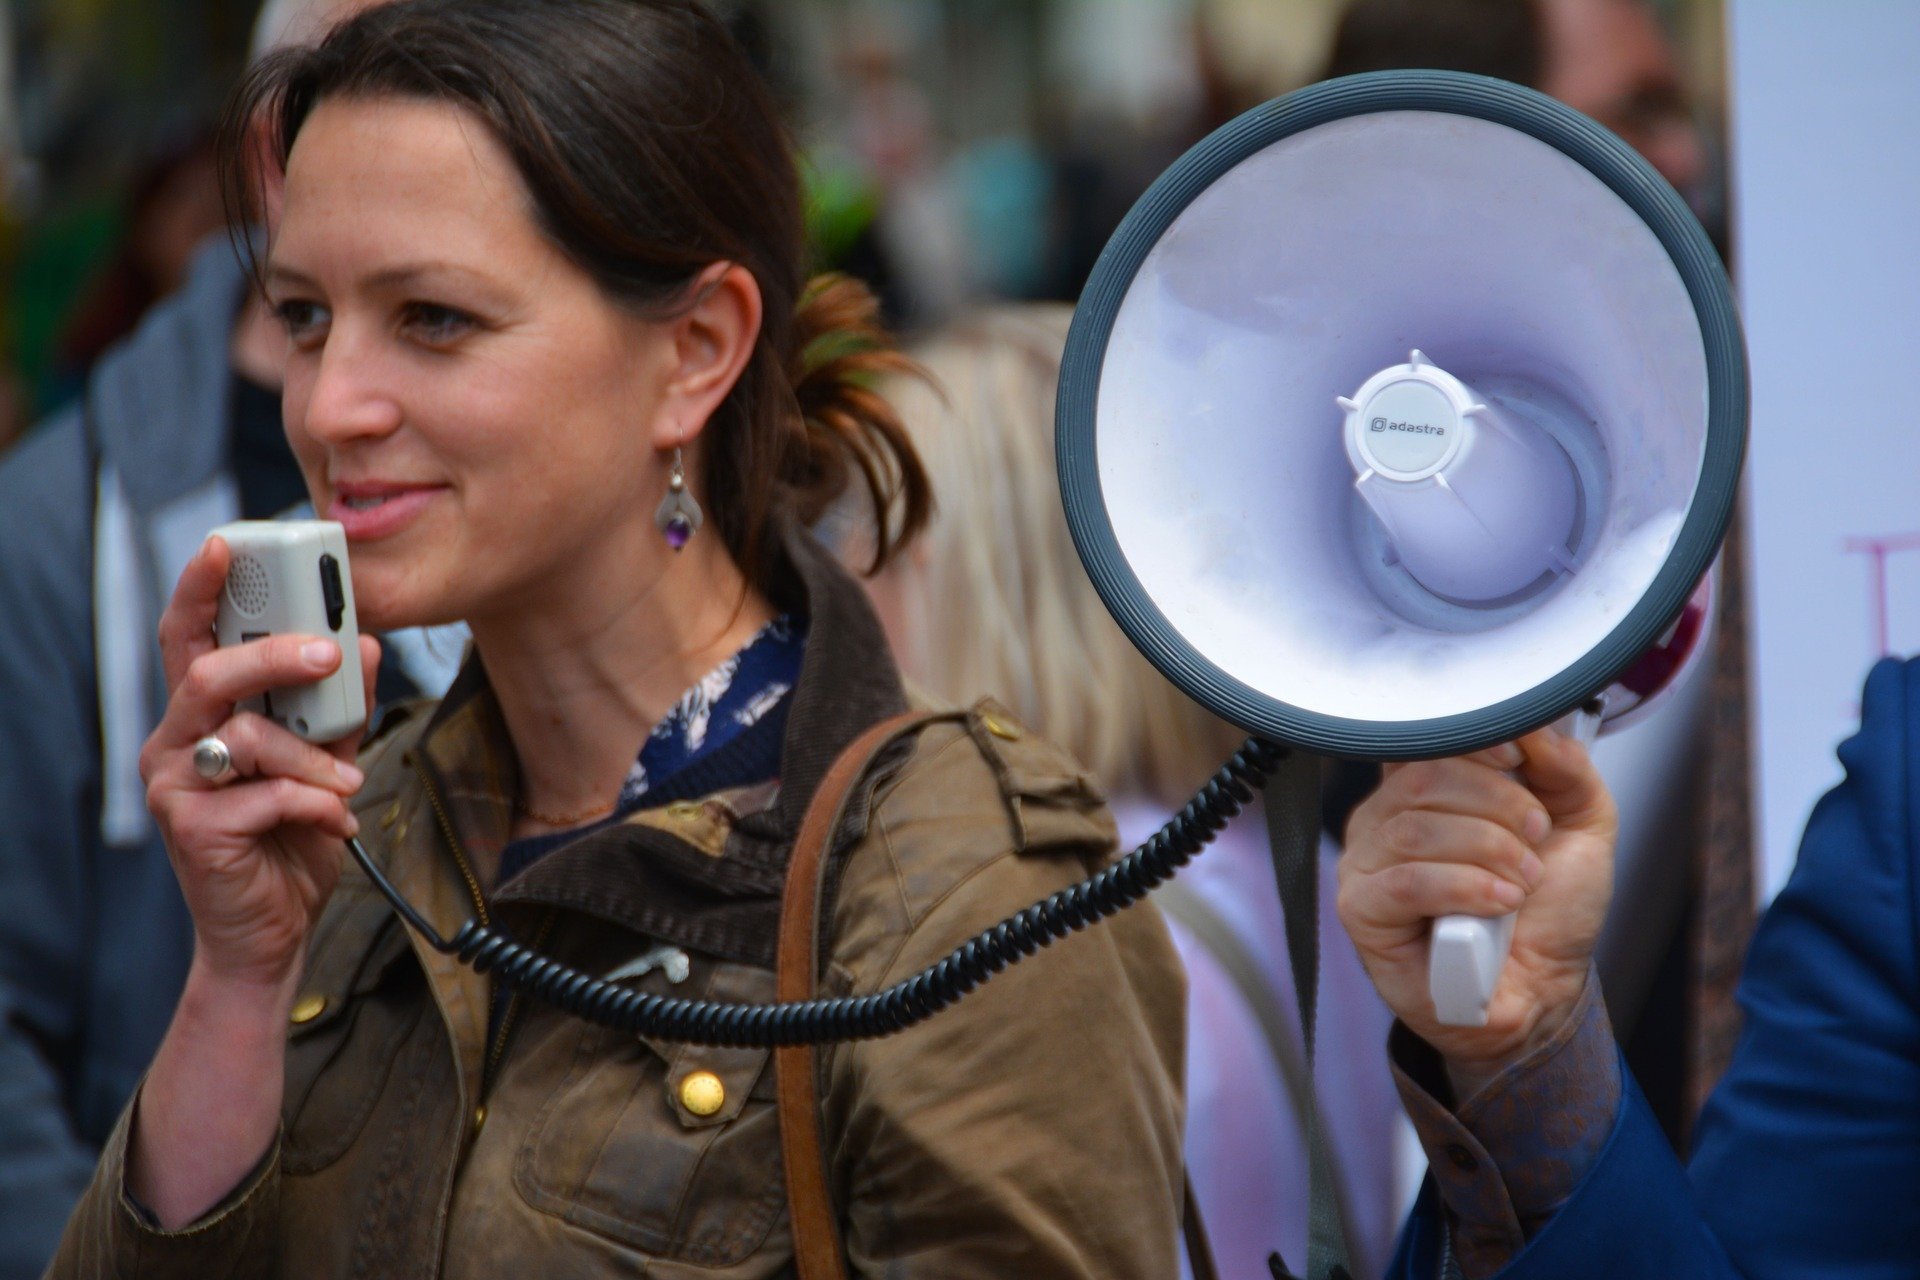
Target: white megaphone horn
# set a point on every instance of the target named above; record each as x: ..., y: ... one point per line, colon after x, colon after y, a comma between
x: 1402, y: 416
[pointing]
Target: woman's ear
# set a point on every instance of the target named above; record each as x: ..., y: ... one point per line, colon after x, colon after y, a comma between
x: 712, y: 341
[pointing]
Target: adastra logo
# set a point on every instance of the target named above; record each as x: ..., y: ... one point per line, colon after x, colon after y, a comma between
x: 1408, y: 428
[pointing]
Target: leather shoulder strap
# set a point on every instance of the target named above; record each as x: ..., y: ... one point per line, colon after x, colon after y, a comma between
x: 816, y: 1228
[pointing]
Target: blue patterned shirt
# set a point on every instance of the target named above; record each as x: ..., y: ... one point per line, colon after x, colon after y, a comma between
x: 725, y: 731
x: 722, y: 706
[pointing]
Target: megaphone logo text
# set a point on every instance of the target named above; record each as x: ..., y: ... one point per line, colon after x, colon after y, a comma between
x: 1410, y: 428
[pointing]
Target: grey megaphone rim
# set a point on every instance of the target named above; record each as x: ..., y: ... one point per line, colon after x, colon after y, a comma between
x: 1629, y: 177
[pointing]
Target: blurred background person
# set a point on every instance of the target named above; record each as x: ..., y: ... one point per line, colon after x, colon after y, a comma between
x: 178, y: 430
x: 172, y: 208
x: 1615, y: 61
x: 1609, y: 59
x: 994, y: 597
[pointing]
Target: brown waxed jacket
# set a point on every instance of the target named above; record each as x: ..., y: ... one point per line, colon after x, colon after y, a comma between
x: 1031, y: 1131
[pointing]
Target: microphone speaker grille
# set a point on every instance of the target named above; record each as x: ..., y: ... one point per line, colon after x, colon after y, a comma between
x: 249, y: 586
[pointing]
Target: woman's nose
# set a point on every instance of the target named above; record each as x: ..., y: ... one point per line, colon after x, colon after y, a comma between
x: 347, y: 394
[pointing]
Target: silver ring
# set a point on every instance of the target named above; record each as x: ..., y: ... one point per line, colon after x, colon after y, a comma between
x: 212, y: 759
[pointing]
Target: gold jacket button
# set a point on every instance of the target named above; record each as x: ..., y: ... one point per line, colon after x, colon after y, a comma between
x: 702, y: 1093
x: 479, y: 1119
x: 1000, y: 728
x: 307, y: 1008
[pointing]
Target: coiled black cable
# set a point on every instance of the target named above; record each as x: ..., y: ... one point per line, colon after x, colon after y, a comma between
x: 883, y: 1012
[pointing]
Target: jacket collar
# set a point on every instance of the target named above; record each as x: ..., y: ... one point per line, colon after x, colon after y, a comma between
x: 702, y: 875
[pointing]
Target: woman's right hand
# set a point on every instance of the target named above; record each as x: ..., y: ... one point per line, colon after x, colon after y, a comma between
x: 257, y: 853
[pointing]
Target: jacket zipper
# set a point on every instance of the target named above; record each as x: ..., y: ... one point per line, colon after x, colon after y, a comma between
x: 515, y: 1000
x: 480, y: 911
x: 453, y: 844
x: 498, y: 1049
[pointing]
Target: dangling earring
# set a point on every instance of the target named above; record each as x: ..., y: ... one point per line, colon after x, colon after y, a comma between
x: 678, y: 515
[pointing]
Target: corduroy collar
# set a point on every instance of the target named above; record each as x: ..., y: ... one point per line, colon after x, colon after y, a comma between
x: 641, y: 874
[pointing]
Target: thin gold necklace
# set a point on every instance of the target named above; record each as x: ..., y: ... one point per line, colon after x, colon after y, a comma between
x: 564, y: 819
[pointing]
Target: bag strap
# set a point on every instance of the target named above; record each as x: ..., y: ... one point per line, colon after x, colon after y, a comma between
x: 816, y: 1229
x: 1292, y: 803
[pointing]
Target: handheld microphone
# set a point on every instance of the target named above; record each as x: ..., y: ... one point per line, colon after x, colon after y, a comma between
x: 290, y: 577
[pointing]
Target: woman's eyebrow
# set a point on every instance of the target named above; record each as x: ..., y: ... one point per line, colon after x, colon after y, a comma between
x: 396, y: 276
x: 281, y: 274
x: 406, y: 273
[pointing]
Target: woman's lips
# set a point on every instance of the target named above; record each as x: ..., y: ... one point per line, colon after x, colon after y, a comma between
x: 370, y: 513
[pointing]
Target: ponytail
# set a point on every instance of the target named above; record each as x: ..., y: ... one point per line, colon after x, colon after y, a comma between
x: 840, y: 352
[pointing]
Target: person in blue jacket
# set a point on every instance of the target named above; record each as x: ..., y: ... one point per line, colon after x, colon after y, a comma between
x: 1545, y: 1159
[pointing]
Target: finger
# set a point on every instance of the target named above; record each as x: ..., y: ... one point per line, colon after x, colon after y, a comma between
x: 1506, y: 757
x: 1409, y: 894
x: 348, y: 747
x: 237, y: 817
x: 1426, y: 835
x: 1465, y: 786
x: 370, y: 654
x: 263, y: 749
x: 186, y: 627
x: 1472, y: 789
x: 215, y: 681
x: 1559, y: 770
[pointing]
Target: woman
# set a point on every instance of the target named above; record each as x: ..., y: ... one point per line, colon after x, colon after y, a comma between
x: 554, y: 370
x: 993, y: 597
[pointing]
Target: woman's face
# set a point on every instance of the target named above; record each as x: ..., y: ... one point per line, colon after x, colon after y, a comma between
x: 481, y: 418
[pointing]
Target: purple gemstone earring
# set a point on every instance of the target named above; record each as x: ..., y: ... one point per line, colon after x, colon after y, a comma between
x: 678, y: 515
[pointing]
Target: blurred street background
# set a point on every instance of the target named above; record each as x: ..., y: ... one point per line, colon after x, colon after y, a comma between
x: 959, y: 150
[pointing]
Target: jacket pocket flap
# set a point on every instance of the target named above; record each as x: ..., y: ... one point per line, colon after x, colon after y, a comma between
x: 621, y: 1146
x: 343, y: 964
x: 1053, y: 802
x: 706, y: 1085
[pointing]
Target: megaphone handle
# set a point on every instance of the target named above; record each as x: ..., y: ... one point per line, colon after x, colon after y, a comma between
x: 1466, y: 953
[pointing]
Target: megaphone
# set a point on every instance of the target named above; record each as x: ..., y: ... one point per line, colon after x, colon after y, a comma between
x: 1400, y: 417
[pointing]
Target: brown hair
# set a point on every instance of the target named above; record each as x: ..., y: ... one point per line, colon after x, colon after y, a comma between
x: 651, y: 149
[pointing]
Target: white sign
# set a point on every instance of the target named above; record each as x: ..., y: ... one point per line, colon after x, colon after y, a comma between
x: 1826, y: 199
